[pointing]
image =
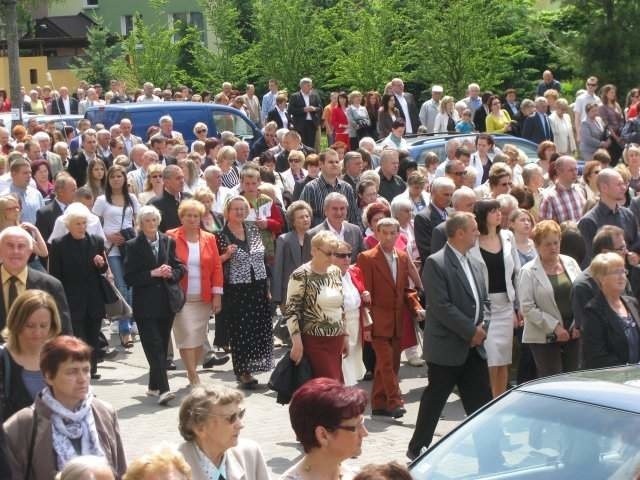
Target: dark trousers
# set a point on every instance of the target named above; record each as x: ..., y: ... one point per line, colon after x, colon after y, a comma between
x: 554, y: 358
x: 472, y: 379
x: 154, y: 336
x: 88, y: 329
x: 368, y: 357
x: 307, y: 131
x: 526, y: 368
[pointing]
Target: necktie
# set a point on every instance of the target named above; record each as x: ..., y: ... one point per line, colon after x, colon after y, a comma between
x: 13, y: 290
x: 543, y: 119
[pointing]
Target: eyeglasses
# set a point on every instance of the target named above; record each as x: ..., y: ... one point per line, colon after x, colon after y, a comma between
x: 341, y: 255
x: 620, y: 249
x: 233, y: 418
x: 202, y: 130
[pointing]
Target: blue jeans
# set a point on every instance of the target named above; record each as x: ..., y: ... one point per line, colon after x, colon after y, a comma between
x: 117, y: 268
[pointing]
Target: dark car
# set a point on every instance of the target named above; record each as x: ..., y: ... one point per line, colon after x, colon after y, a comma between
x: 185, y: 115
x: 419, y: 145
x: 579, y: 426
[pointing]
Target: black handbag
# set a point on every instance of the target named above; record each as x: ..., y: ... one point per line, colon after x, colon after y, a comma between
x: 175, y: 294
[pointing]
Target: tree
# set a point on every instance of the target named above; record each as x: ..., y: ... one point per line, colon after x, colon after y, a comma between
x: 95, y: 64
x: 150, y: 54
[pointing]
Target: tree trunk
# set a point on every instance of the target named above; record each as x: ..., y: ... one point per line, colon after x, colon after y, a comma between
x: 13, y: 53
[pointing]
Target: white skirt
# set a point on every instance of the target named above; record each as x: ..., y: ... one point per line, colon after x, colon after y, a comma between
x: 352, y: 365
x: 499, y: 342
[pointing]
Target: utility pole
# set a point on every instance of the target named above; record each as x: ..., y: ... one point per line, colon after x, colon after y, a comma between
x: 13, y: 53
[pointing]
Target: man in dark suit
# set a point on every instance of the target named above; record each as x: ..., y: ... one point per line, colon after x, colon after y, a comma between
x: 16, y: 246
x: 64, y: 103
x: 78, y: 163
x: 171, y: 197
x: 462, y: 200
x: 385, y: 271
x: 280, y: 111
x: 433, y: 215
x: 65, y: 191
x: 406, y: 105
x: 305, y: 109
x: 455, y: 330
x: 335, y: 211
x: 537, y: 127
x: 511, y: 104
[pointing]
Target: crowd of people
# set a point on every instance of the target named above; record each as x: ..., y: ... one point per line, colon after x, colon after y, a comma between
x: 359, y: 252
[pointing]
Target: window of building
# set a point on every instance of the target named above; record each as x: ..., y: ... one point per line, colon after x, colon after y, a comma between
x: 188, y: 19
x: 91, y: 3
x: 126, y: 24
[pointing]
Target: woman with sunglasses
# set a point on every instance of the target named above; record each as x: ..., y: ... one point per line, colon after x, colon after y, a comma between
x: 210, y: 420
x: 200, y: 130
x: 153, y: 184
x: 314, y: 310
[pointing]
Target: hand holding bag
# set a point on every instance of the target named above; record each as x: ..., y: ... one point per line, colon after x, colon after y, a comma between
x: 175, y: 294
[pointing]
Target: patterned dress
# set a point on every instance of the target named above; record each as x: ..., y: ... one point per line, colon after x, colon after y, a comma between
x: 246, y: 313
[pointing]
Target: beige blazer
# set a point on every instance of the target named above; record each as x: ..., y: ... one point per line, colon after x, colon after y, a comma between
x: 537, y: 304
x: 244, y: 461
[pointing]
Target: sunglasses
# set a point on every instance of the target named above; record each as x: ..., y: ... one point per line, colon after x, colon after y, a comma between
x: 233, y: 418
x: 341, y: 255
x: 201, y: 131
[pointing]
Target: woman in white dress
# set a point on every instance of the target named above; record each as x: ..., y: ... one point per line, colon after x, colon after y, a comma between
x: 496, y: 250
x: 355, y: 313
x: 560, y: 122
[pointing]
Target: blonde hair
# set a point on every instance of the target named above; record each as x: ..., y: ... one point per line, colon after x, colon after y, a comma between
x: 602, y: 264
x: 190, y: 204
x: 235, y: 198
x: 163, y: 460
x: 21, y: 311
x: 324, y: 238
x: 5, y: 200
x: 202, y: 193
x: 153, y: 168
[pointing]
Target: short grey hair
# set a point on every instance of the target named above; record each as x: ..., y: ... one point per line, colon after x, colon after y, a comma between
x: 605, y: 175
x: 529, y: 170
x: 295, y: 207
x: 210, y: 170
x: 165, y: 119
x: 75, y: 211
x: 388, y: 154
x: 305, y: 80
x: 399, y: 203
x: 334, y: 197
x: 507, y: 200
x: 41, y: 136
x: 83, y: 467
x: 367, y: 141
x: 442, y: 182
x: 15, y: 231
x: 387, y: 222
x: 148, y: 211
x: 462, y: 193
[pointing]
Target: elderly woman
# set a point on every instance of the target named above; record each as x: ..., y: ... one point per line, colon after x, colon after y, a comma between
x: 356, y: 317
x: 210, y: 422
x: 78, y: 259
x: 200, y: 130
x: 314, y: 310
x: 32, y: 320
x: 161, y: 464
x: 66, y: 420
x: 533, y: 179
x: 611, y: 325
x: 447, y: 116
x: 202, y: 285
x: 358, y: 117
x: 496, y: 251
x: 560, y: 121
x: 295, y: 173
x: 211, y: 221
x: 226, y: 161
x: 416, y: 192
x: 292, y: 249
x: 153, y: 184
x: 544, y: 290
x: 246, y: 312
x: 592, y: 133
x: 328, y: 421
x: 150, y: 268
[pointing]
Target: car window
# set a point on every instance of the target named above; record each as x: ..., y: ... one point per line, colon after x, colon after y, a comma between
x: 527, y: 436
x: 104, y: 116
x: 232, y: 122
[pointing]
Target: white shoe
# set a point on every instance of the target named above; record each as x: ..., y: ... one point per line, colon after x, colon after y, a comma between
x: 416, y: 362
x: 166, y: 397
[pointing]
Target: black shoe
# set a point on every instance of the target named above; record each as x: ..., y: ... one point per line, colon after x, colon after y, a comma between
x: 398, y: 412
x: 395, y: 413
x: 380, y: 412
x: 96, y: 376
x: 368, y: 376
x: 171, y: 365
x: 215, y: 361
x: 411, y: 455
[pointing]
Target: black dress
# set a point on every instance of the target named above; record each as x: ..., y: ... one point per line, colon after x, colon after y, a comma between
x: 246, y: 312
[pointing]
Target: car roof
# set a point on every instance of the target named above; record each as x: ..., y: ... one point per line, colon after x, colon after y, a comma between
x: 163, y: 106
x: 617, y: 387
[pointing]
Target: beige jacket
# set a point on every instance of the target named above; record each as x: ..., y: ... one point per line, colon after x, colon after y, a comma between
x: 244, y: 461
x: 44, y: 465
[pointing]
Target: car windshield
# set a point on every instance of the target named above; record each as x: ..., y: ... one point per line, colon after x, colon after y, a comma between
x: 531, y: 436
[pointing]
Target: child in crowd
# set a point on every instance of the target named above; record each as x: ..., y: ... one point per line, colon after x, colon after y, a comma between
x: 465, y: 125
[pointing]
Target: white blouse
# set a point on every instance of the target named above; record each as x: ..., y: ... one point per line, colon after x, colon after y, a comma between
x: 193, y: 268
x: 351, y: 295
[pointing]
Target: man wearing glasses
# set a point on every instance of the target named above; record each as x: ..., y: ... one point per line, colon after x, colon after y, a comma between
x: 580, y: 108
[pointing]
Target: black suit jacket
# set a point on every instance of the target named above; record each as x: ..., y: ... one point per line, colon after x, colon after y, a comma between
x: 43, y: 281
x: 296, y: 108
x: 75, y: 268
x: 604, y: 343
x: 57, y: 106
x: 274, y: 116
x: 423, y: 226
x: 150, y: 298
x: 46, y: 218
x: 533, y: 130
x: 78, y: 168
x: 413, y: 111
x: 480, y: 119
x: 168, y: 206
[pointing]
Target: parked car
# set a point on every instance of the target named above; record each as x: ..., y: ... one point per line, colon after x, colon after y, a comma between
x: 581, y: 425
x: 419, y: 145
x: 185, y: 115
x: 59, y: 120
